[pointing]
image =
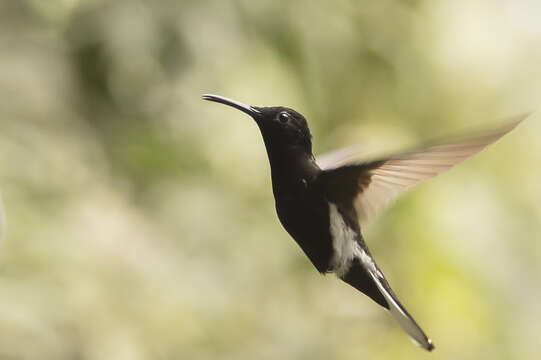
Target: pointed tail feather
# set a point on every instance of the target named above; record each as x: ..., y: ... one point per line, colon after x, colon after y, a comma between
x: 397, y: 310
x: 364, y: 275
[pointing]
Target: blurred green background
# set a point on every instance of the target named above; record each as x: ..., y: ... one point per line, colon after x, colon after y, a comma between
x: 139, y: 220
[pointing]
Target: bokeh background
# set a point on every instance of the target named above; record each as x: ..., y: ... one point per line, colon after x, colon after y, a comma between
x: 139, y: 220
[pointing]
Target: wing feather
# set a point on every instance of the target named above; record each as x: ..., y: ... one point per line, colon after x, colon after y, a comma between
x: 377, y: 183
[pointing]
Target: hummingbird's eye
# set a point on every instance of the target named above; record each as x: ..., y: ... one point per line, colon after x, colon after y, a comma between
x: 283, y: 117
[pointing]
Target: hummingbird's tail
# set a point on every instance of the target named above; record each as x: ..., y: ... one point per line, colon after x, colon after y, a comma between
x: 366, y: 276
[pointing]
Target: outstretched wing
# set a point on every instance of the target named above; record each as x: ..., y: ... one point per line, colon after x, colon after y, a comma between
x: 372, y: 185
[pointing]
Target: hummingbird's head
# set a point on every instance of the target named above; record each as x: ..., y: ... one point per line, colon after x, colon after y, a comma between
x: 281, y: 127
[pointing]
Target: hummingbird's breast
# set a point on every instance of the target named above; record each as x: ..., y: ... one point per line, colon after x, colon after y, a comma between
x: 305, y: 216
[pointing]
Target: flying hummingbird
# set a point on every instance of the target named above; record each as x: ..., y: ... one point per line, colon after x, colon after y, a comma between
x: 323, y: 203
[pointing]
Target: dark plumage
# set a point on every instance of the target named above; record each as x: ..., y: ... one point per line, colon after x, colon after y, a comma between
x: 322, y: 204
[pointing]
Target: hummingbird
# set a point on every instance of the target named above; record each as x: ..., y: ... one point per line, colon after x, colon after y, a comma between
x: 323, y: 202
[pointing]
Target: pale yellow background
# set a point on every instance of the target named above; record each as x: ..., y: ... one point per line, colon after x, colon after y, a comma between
x: 140, y: 219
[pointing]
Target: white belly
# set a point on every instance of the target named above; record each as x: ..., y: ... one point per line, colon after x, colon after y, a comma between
x: 345, y: 245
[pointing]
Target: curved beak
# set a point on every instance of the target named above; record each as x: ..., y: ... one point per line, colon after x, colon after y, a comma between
x: 250, y: 110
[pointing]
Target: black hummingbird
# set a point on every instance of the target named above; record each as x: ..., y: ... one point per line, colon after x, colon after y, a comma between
x: 322, y: 203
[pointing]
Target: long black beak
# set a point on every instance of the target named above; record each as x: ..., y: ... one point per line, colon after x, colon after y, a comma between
x: 250, y: 110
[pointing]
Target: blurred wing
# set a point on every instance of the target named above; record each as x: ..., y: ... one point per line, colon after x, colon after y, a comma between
x: 374, y: 184
x: 338, y: 157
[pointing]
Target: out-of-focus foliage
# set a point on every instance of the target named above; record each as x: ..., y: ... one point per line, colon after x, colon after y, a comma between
x: 139, y: 220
